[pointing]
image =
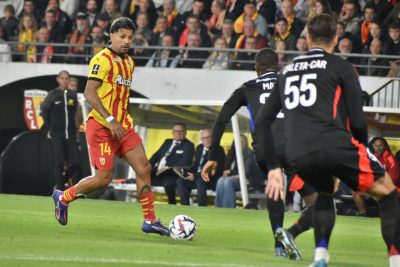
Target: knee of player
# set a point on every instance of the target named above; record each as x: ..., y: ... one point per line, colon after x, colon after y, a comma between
x: 103, y: 178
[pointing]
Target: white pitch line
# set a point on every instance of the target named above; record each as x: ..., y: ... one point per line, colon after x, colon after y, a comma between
x: 118, y: 261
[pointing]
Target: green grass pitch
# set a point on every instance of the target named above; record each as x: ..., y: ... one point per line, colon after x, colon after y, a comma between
x: 106, y: 233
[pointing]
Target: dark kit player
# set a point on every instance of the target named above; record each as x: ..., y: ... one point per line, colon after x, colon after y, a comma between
x: 319, y: 143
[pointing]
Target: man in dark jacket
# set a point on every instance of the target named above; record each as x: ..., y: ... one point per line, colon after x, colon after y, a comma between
x: 59, y: 111
x: 193, y: 179
x: 176, y: 152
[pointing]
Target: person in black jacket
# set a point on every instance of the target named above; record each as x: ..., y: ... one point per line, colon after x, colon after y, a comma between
x: 193, y: 179
x: 176, y: 152
x: 59, y: 114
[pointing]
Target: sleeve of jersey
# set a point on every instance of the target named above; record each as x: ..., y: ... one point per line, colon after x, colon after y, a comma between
x: 352, y: 95
x: 99, y: 67
x: 263, y: 141
x: 230, y: 107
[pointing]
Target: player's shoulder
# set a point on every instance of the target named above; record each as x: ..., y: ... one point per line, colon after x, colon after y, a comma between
x: 270, y: 77
x: 101, y: 56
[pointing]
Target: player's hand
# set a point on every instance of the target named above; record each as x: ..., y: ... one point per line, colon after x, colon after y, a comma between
x: 190, y: 176
x: 209, y: 168
x: 274, y: 188
x: 116, y: 129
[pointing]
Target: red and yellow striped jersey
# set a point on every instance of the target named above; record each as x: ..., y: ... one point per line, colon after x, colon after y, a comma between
x: 115, y: 73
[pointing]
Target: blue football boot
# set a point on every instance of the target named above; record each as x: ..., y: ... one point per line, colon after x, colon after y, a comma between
x: 61, y: 211
x: 155, y: 228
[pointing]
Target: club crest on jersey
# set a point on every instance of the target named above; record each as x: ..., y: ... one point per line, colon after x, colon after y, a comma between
x: 122, y: 81
x: 102, y: 161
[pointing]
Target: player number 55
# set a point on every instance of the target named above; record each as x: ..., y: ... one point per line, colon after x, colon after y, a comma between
x: 305, y: 95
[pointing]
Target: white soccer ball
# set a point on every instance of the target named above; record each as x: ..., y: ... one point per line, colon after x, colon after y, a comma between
x: 182, y: 227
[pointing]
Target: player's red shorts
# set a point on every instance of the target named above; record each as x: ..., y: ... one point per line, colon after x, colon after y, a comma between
x: 103, y: 147
x: 296, y: 184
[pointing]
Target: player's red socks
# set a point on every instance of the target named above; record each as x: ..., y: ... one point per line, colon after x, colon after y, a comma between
x: 69, y: 195
x: 147, y: 201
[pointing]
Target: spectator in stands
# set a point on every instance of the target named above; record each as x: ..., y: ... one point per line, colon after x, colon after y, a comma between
x: 9, y: 23
x: 245, y: 60
x: 27, y: 32
x: 229, y: 183
x: 199, y: 10
x: 5, y: 49
x: 322, y: 7
x: 375, y: 31
x: 71, y: 7
x: 103, y: 21
x: 91, y: 11
x: 249, y: 30
x: 145, y: 6
x: 98, y: 42
x: 218, y: 11
x: 140, y: 52
x: 30, y: 9
x: 280, y: 50
x: 167, y: 57
x: 161, y: 29
x: 346, y: 47
x: 81, y: 36
x: 142, y: 24
x: 176, y: 152
x: 234, y: 8
x: 374, y: 66
x: 383, y: 8
x: 193, y: 179
x: 57, y: 34
x: 393, y: 44
x: 301, y: 44
x: 175, y: 20
x: 304, y: 9
x: 228, y: 33
x: 111, y: 10
x: 218, y: 60
x: 59, y: 114
x: 295, y: 25
x: 183, y: 6
x: 61, y: 18
x: 41, y: 53
x: 192, y: 58
x: 282, y: 34
x: 193, y: 25
x: 369, y: 17
x: 250, y: 12
x: 382, y: 151
x: 267, y: 9
x: 394, y: 15
x: 350, y: 17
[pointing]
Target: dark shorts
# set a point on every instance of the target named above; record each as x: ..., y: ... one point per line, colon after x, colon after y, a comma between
x: 354, y: 165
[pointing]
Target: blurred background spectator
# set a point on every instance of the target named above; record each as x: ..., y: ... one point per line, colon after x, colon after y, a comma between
x: 218, y: 60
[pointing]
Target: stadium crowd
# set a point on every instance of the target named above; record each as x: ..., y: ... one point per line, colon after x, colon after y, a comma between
x: 364, y: 26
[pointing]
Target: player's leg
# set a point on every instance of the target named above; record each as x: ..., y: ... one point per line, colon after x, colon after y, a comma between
x: 102, y: 150
x: 361, y: 171
x: 386, y: 194
x: 137, y: 159
x: 184, y: 189
x: 359, y: 201
x: 202, y: 189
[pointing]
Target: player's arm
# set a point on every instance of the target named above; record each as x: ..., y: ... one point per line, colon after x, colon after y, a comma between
x: 352, y: 95
x: 229, y: 108
x: 94, y: 100
x: 264, y: 145
x: 263, y: 141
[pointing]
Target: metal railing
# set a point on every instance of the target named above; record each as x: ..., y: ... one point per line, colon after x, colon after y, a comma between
x: 61, y: 54
x: 386, y: 96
